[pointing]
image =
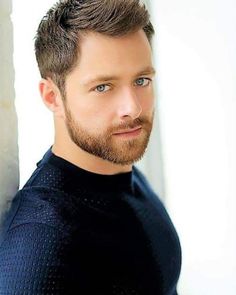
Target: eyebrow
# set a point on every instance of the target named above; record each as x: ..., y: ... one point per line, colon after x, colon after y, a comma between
x: 104, y: 78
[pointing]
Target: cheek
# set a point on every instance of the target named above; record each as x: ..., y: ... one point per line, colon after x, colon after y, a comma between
x: 147, y: 102
x: 95, y: 119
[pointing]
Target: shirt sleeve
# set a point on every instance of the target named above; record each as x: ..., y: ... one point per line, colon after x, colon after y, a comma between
x: 32, y: 260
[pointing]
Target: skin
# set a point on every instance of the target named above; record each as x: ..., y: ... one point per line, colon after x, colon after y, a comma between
x: 95, y: 110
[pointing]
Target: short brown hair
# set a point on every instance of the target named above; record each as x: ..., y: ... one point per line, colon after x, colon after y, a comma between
x: 59, y: 32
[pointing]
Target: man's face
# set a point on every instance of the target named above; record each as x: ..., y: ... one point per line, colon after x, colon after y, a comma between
x: 109, y: 103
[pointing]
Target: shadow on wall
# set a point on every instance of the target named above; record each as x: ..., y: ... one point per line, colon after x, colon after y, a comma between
x: 9, y: 168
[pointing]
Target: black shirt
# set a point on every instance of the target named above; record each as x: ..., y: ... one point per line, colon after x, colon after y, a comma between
x: 70, y: 231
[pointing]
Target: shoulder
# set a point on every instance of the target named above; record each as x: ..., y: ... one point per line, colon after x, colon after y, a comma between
x: 36, y: 241
x: 39, y: 205
x: 141, y: 182
x: 139, y: 175
x: 31, y: 258
x: 144, y: 189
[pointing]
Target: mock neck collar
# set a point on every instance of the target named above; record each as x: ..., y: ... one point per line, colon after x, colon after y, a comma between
x: 75, y: 177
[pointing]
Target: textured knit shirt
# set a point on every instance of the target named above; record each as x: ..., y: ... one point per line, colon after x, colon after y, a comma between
x: 70, y: 231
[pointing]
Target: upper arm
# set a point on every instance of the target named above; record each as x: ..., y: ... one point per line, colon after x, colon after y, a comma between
x: 32, y: 260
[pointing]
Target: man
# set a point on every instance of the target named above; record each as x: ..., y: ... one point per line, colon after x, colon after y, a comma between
x: 87, y: 221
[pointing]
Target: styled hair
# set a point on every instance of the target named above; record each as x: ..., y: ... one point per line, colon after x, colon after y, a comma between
x: 57, y: 42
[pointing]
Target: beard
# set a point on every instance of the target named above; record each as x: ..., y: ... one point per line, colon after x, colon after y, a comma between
x: 105, y: 145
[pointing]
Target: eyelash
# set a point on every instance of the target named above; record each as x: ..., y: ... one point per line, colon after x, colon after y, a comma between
x: 144, y: 78
x: 100, y: 86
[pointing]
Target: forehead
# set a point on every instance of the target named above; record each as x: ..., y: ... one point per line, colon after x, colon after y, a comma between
x: 100, y: 54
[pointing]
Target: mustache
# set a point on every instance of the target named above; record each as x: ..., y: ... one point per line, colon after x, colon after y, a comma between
x: 130, y: 124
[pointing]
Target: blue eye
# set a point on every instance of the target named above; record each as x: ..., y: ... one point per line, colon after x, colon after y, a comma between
x: 142, y: 81
x: 102, y: 88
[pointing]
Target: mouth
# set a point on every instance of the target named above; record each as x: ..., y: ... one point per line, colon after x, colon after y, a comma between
x: 129, y: 132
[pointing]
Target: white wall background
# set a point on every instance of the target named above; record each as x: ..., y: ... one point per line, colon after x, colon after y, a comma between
x: 9, y: 173
x: 34, y: 120
x: 196, y: 63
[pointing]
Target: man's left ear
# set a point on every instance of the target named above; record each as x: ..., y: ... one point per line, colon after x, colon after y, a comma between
x: 51, y: 97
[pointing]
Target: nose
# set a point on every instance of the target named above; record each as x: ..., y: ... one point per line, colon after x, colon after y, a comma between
x: 129, y: 104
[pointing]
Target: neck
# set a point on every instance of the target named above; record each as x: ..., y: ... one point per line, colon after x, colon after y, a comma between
x: 75, y: 155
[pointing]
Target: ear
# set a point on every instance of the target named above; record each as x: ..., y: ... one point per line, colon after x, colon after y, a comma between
x: 51, y: 97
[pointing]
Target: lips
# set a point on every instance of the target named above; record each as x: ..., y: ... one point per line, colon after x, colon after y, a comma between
x: 127, y: 131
